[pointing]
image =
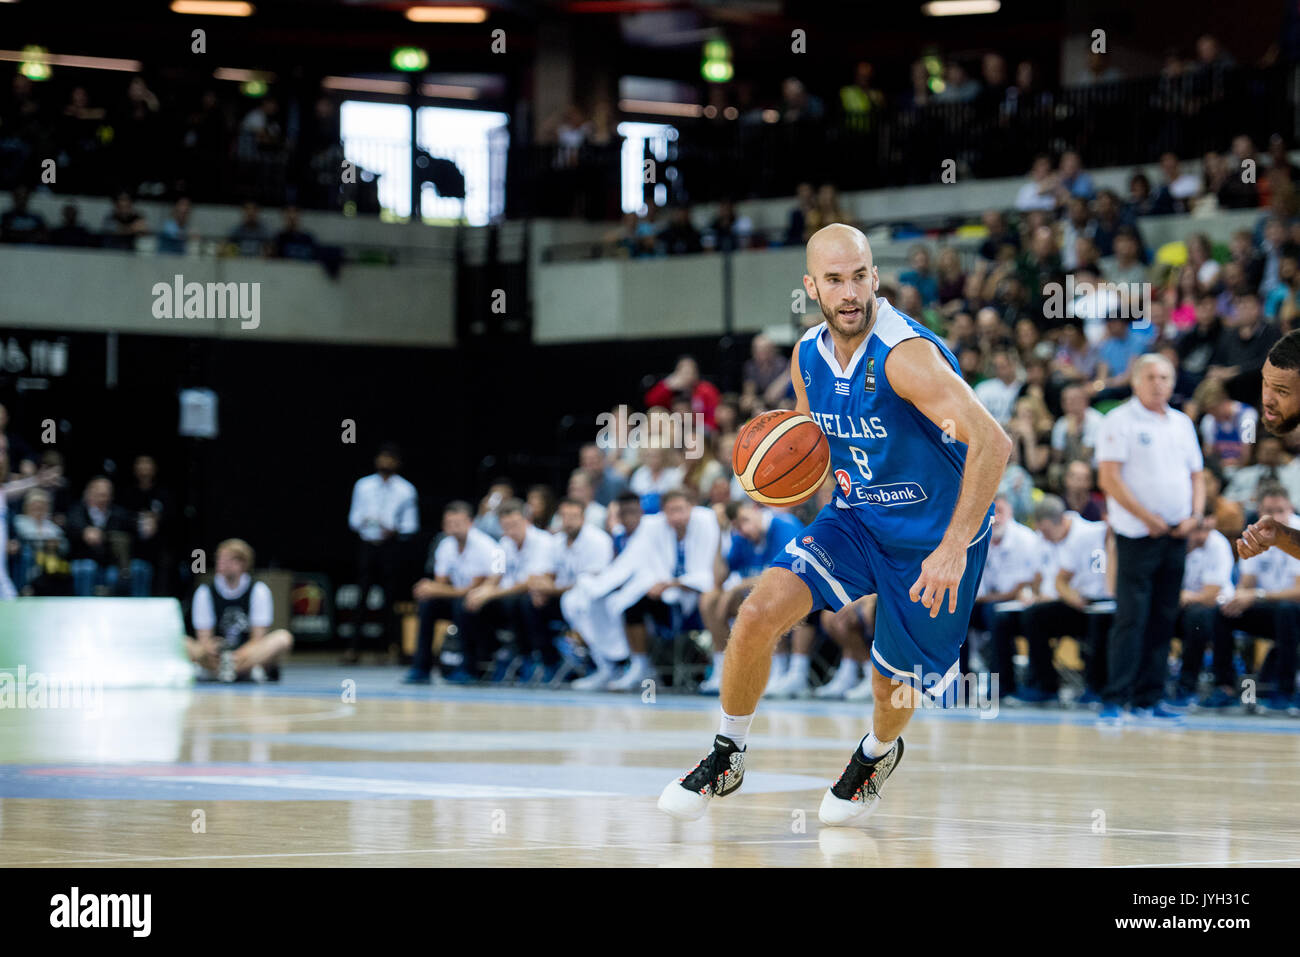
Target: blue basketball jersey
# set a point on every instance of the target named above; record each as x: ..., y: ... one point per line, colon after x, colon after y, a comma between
x: 897, y: 472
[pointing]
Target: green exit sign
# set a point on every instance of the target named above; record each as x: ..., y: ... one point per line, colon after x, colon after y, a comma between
x: 410, y: 59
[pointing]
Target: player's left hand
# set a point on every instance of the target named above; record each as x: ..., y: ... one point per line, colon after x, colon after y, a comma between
x: 941, y: 572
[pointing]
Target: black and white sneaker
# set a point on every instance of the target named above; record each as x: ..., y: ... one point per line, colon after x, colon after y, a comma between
x: 718, y: 775
x: 856, y: 795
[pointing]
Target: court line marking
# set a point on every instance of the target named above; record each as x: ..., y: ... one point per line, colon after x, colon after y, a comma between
x: 340, y: 711
x: 1276, y: 860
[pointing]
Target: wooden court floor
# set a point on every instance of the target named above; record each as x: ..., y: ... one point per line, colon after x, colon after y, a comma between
x: 304, y: 774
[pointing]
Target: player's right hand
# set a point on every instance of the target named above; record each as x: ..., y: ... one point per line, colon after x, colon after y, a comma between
x: 1257, y: 538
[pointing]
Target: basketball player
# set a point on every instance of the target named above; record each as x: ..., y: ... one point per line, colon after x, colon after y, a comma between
x: 231, y: 619
x: 917, y: 460
x: 1280, y: 398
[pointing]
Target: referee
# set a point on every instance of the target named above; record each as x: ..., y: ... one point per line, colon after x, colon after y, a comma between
x: 1151, y: 471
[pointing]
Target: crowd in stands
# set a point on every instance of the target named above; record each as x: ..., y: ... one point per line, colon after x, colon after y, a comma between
x: 109, y: 540
x: 124, y: 224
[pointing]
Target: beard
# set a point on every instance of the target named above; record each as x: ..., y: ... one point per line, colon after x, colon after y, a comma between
x: 839, y: 326
x: 1283, y: 428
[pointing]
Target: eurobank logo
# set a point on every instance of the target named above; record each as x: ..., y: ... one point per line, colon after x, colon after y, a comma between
x: 820, y: 552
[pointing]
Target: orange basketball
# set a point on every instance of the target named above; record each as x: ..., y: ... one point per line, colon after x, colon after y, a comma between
x: 781, y: 458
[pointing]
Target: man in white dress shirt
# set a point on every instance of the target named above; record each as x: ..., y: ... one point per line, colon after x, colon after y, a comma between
x: 462, y: 560
x: 385, y: 513
x: 1152, y: 472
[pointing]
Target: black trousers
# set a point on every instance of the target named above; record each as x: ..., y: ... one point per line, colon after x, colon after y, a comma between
x: 1002, y: 626
x: 379, y: 563
x: 1149, y: 580
x: 433, y: 610
x: 1052, y: 619
x: 1196, y: 626
x: 478, y: 629
x: 1279, y: 620
x: 537, y: 628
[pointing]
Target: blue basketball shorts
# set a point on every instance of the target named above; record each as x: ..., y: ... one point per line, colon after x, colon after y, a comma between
x: 839, y: 561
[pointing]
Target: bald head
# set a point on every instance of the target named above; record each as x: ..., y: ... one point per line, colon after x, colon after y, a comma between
x: 842, y: 279
x: 834, y: 243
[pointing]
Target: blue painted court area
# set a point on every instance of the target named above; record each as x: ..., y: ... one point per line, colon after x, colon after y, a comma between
x: 385, y: 683
x: 350, y: 780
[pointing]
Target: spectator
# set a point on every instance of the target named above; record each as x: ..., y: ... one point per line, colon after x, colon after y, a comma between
x: 1152, y: 471
x: 797, y: 105
x: 920, y: 276
x: 581, y: 489
x: 1197, y: 345
x: 999, y: 236
x: 1079, y: 494
x: 462, y: 560
x: 486, y: 520
x: 70, y: 232
x: 766, y: 375
x: 825, y: 211
x: 1030, y: 429
x: 859, y: 101
x: 999, y: 394
x: 1117, y: 351
x: 1266, y: 603
x: 42, y: 547
x: 123, y: 224
x: 16, y: 448
x: 680, y: 236
x: 1098, y: 70
x: 729, y: 231
x: 959, y: 87
x: 1141, y: 201
x: 1242, y: 349
x: 1076, y: 359
x: 1207, y: 583
x: 152, y: 507
x: 1074, y: 434
x: 1280, y: 305
x: 1108, y: 222
x: 176, y: 233
x: 685, y: 380
x: 260, y: 133
x: 540, y: 502
x: 250, y: 237
x: 1272, y: 466
x: 607, y: 481
x: 796, y: 231
x: 1227, y: 426
x: 577, y: 549
x: 292, y: 242
x: 654, y: 478
x: 1240, y: 187
x: 1040, y: 191
x: 384, y: 513
x: 1075, y: 600
x: 1125, y: 265
x: 231, y: 618
x: 950, y: 278
x: 1075, y: 226
x: 1177, y: 189
x: 20, y: 225
x: 1072, y: 181
x: 99, y: 534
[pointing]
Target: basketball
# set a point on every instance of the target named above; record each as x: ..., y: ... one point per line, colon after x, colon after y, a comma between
x: 781, y: 458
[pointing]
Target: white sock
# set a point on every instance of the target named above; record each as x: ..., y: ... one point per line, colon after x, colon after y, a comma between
x: 640, y: 661
x: 850, y: 669
x: 799, y: 665
x: 873, y: 747
x: 718, y: 656
x: 780, y: 664
x: 736, y: 727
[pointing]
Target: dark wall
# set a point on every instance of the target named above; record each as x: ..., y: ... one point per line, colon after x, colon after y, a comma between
x: 279, y: 475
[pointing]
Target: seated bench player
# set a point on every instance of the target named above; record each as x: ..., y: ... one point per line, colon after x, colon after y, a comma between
x: 578, y: 548
x: 231, y: 618
x: 1012, y: 575
x: 1266, y: 604
x: 1207, y: 584
x: 497, y: 601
